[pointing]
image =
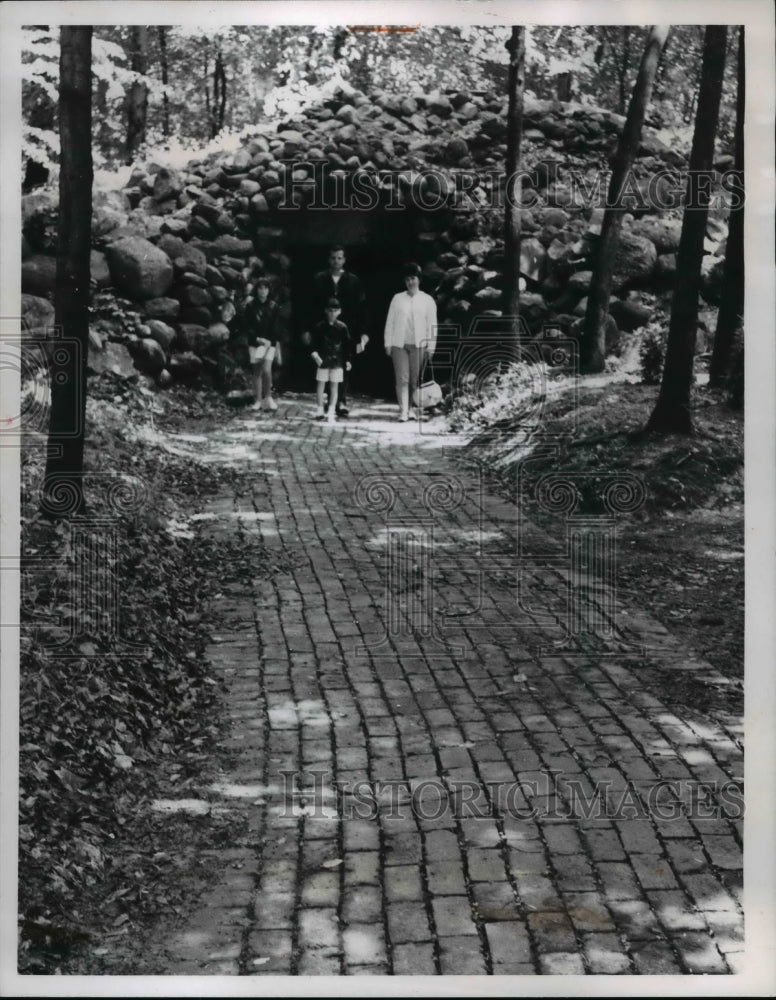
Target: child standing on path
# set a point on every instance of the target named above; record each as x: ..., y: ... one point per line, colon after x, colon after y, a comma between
x: 262, y: 321
x: 330, y: 343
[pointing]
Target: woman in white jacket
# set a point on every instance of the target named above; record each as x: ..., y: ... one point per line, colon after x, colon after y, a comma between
x: 410, y: 336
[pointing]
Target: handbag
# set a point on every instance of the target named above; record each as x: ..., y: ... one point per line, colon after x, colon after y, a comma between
x: 428, y: 393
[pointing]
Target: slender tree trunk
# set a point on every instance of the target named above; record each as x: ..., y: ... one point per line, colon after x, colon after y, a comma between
x: 63, y: 484
x: 137, y: 97
x: 219, y: 94
x: 513, y: 192
x: 208, y: 109
x: 731, y: 310
x: 564, y: 86
x: 593, y: 347
x: 165, y: 81
x: 624, y: 64
x: 672, y: 410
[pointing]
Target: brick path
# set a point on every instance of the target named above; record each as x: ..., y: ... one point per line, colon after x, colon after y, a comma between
x: 434, y: 781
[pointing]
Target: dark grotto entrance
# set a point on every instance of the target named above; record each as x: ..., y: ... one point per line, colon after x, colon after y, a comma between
x: 377, y: 243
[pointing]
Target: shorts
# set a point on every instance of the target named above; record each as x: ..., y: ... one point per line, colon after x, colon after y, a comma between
x: 263, y: 353
x: 329, y: 374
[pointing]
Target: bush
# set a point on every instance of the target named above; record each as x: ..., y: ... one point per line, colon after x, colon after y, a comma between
x: 651, y: 357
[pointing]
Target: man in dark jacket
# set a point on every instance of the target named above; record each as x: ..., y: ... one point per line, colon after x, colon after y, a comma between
x: 343, y: 285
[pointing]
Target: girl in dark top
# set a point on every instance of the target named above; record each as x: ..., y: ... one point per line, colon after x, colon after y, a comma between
x: 262, y: 331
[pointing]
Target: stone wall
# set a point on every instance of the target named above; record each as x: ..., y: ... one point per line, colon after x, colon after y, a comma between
x: 178, y: 244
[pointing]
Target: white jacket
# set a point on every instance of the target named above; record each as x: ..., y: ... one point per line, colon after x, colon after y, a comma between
x: 422, y: 308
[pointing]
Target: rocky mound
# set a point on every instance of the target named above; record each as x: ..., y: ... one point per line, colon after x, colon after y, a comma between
x: 178, y: 244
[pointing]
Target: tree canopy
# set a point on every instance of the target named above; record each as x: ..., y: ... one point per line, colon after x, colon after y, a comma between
x: 201, y: 82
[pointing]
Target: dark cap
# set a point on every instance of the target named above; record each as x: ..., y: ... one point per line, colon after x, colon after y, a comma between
x: 263, y: 283
x: 333, y: 304
x: 412, y: 271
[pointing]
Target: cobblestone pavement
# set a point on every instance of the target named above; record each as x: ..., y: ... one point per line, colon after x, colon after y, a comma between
x: 435, y: 779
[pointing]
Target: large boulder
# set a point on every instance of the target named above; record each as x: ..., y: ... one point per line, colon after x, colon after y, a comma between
x: 172, y: 245
x: 37, y: 316
x: 99, y: 269
x: 201, y: 339
x: 630, y: 314
x: 190, y: 259
x: 191, y: 295
x: 233, y: 245
x: 665, y: 266
x: 162, y: 308
x: 39, y: 274
x: 664, y: 233
x: 196, y: 315
x: 167, y: 184
x: 634, y: 259
x: 105, y: 220
x: 148, y: 356
x: 113, y: 358
x: 163, y: 334
x: 138, y: 268
x: 532, y: 259
x: 185, y: 365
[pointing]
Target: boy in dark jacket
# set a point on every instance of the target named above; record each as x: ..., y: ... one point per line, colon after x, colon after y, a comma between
x: 330, y: 348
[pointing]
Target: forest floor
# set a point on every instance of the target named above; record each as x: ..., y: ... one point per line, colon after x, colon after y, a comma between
x: 680, y: 554
x: 91, y: 896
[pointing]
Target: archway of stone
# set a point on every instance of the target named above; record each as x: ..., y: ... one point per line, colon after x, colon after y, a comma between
x: 377, y: 244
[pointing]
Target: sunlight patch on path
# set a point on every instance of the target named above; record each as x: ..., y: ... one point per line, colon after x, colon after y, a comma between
x: 196, y: 807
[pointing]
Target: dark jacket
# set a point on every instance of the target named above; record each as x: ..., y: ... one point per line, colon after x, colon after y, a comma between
x: 331, y: 341
x: 350, y: 294
x: 260, y: 321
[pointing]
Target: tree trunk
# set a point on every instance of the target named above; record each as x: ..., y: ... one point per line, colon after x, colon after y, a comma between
x: 624, y: 64
x: 672, y: 410
x: 593, y: 347
x: 208, y: 110
x: 731, y: 310
x: 165, y: 99
x: 513, y: 192
x: 219, y: 94
x: 63, y: 484
x: 137, y: 97
x: 564, y: 86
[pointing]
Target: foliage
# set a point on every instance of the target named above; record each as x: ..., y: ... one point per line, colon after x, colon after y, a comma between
x: 508, y: 394
x: 680, y: 554
x: 276, y: 71
x: 651, y: 356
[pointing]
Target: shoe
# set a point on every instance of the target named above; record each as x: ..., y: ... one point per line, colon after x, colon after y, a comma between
x: 403, y: 418
x: 270, y: 404
x: 255, y: 406
x: 330, y: 418
x: 342, y: 411
x: 320, y: 415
